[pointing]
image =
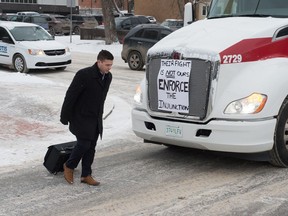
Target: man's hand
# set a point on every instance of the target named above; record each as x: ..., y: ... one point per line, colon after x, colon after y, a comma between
x: 64, y: 122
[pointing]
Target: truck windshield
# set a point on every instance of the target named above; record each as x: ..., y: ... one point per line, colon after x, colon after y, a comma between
x: 30, y: 33
x: 254, y: 8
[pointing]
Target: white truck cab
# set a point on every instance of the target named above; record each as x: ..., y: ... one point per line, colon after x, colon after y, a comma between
x: 26, y: 46
x: 221, y: 83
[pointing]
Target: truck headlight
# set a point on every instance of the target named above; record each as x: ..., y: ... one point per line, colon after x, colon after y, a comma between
x: 35, y: 52
x: 138, y: 95
x: 252, y: 104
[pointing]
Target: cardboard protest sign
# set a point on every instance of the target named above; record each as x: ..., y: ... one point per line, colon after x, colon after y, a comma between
x: 173, y: 85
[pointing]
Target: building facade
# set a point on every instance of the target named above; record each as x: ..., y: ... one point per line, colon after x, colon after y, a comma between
x: 95, y: 7
x: 160, y: 9
x: 41, y: 6
x: 170, y: 9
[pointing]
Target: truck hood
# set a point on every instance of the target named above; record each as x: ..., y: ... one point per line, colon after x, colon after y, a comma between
x: 43, y: 44
x: 213, y: 38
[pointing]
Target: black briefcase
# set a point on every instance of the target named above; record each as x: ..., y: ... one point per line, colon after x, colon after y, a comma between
x: 57, y: 155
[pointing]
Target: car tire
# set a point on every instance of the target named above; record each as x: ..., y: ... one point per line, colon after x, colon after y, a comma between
x: 76, y: 30
x: 135, y: 61
x: 19, y: 64
x: 279, y: 153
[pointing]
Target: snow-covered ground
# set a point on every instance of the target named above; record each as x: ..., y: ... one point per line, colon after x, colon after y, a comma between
x: 89, y: 46
x: 30, y: 107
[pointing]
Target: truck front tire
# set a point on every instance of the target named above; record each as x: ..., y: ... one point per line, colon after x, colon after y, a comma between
x: 279, y: 153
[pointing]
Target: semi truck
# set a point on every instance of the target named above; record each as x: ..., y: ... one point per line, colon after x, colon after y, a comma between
x: 220, y: 84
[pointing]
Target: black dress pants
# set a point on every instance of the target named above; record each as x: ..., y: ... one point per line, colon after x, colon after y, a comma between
x: 85, y: 150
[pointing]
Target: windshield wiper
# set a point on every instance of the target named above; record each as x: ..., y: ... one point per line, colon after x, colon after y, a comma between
x: 222, y: 16
x: 253, y: 15
x: 239, y: 15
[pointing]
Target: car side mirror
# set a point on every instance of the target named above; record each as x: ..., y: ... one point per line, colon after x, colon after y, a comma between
x: 53, y: 36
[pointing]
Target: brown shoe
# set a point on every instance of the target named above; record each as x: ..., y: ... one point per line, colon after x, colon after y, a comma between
x: 89, y: 180
x: 68, y: 174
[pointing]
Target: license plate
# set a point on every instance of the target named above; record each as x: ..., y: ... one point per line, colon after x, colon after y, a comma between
x: 174, y: 131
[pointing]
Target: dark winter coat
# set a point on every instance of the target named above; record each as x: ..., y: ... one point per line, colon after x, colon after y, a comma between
x: 84, y: 102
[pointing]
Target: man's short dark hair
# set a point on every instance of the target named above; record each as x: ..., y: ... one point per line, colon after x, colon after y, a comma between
x: 105, y: 55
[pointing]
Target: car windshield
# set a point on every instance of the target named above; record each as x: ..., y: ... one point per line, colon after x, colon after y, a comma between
x: 170, y: 23
x: 251, y: 8
x: 62, y: 18
x: 30, y: 33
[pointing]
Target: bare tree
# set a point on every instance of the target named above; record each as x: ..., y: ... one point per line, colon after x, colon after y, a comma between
x: 116, y: 6
x: 180, y: 4
x: 181, y: 8
x: 109, y: 21
x: 119, y: 4
x: 130, y: 5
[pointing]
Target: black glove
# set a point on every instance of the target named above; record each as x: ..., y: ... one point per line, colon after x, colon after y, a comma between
x: 64, y: 122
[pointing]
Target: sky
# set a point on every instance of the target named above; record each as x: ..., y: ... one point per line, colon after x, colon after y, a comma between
x: 29, y: 114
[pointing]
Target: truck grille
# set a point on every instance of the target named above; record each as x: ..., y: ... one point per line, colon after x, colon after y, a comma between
x: 54, y: 52
x: 199, y: 88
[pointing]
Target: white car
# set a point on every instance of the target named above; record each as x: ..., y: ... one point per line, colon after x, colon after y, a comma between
x: 28, y: 46
x: 28, y: 13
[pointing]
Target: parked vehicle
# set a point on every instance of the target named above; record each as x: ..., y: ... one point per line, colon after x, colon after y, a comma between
x: 138, y: 41
x: 16, y: 18
x: 27, y: 13
x: 122, y: 14
x: 123, y: 25
x: 173, y: 24
x: 3, y: 17
x: 9, y: 15
x: 58, y: 24
x: 82, y: 21
x: 99, y: 18
x: 28, y: 46
x: 126, y: 23
x: 36, y: 19
x: 152, y: 19
x: 220, y: 84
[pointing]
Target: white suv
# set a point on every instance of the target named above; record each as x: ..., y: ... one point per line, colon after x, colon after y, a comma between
x: 28, y: 13
x: 28, y: 46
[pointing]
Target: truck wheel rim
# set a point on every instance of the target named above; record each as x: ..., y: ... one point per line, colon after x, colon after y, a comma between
x: 285, y: 135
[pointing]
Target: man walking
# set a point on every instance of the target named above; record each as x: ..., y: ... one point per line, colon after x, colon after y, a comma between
x: 83, y: 109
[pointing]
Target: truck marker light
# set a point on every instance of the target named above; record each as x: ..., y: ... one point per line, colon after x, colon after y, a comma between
x: 138, y: 95
x: 176, y: 55
x: 252, y: 104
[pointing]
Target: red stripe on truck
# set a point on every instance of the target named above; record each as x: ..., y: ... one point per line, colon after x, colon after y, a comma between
x: 254, y: 50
